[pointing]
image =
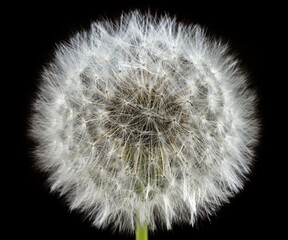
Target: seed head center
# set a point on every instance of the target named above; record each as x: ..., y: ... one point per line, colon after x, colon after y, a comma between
x: 146, y: 115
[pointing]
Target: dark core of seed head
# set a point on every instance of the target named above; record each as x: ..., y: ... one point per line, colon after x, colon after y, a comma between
x: 147, y: 116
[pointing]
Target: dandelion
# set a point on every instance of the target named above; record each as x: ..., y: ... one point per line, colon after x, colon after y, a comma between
x: 144, y: 122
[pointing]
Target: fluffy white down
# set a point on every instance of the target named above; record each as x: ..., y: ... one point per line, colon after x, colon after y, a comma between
x: 144, y: 118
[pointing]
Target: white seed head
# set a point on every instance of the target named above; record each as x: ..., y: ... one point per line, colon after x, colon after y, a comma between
x: 144, y: 118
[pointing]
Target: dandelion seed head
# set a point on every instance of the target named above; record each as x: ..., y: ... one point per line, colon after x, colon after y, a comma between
x: 146, y: 118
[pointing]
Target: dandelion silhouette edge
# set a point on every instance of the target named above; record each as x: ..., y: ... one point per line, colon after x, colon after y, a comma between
x: 144, y: 119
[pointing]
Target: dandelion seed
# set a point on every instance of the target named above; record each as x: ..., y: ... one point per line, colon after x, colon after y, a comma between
x: 166, y: 138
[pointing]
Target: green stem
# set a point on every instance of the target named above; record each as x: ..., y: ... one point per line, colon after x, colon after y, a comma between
x: 141, y: 231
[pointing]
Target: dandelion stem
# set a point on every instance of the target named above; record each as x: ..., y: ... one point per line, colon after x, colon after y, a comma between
x: 141, y: 230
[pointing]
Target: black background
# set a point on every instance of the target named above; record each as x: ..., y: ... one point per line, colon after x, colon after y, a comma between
x: 31, y: 31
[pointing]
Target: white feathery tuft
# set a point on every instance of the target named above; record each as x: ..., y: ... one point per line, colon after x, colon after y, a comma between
x: 144, y: 118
